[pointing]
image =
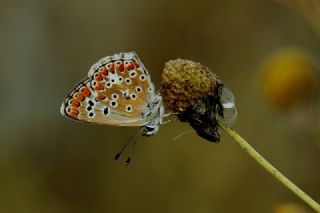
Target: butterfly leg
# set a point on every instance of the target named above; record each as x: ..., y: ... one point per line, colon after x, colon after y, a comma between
x: 169, y: 120
x: 182, y: 134
x: 169, y: 114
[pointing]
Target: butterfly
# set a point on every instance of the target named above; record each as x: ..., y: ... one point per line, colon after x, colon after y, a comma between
x: 117, y: 91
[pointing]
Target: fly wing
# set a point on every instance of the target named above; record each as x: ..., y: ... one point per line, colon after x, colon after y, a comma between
x: 229, y: 109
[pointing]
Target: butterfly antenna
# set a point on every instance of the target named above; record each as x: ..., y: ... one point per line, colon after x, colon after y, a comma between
x: 134, y: 142
x: 133, y: 138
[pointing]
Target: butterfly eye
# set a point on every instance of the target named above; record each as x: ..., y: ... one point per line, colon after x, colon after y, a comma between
x: 128, y: 81
x: 112, y: 80
x: 118, y: 63
x: 115, y: 96
x: 129, y: 108
x: 126, y: 63
x: 113, y: 103
x: 138, y: 89
x: 133, y: 96
x: 120, y: 79
x: 142, y: 77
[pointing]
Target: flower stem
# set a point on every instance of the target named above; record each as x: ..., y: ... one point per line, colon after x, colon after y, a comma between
x: 267, y: 166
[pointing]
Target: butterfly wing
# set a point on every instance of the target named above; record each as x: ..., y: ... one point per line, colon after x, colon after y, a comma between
x: 117, y: 92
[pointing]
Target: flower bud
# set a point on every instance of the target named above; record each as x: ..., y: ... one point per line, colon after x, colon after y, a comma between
x: 185, y: 83
x: 194, y: 93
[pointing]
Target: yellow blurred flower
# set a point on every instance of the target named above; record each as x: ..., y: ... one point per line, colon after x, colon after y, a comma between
x: 288, y: 78
x: 289, y: 208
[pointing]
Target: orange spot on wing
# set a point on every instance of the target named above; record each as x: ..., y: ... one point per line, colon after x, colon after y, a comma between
x: 80, y: 96
x: 99, y: 77
x: 86, y: 91
x: 99, y: 87
x: 130, y: 66
x: 75, y: 103
x: 104, y: 72
x: 111, y: 69
x: 120, y: 68
x: 135, y: 64
x: 74, y: 112
x: 101, y: 96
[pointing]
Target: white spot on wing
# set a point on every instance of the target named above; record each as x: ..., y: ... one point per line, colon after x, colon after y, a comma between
x: 113, y: 103
x: 128, y: 108
x: 132, y: 73
x: 128, y: 56
x: 114, y: 78
x: 142, y: 77
x: 138, y: 89
x: 114, y: 96
x: 128, y: 81
x: 117, y: 56
x: 133, y: 96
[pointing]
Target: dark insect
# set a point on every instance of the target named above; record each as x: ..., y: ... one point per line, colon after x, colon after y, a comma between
x: 203, y: 117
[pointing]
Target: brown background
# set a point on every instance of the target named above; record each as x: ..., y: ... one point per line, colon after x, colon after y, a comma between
x: 51, y: 164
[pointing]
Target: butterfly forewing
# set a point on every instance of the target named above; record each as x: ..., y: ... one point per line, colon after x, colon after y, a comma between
x: 116, y: 92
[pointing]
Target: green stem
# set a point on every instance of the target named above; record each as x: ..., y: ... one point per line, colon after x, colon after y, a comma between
x: 267, y: 166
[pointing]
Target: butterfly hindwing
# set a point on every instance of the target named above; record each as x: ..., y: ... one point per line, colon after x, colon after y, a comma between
x: 116, y: 92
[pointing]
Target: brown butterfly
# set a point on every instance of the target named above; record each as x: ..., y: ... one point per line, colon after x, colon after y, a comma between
x: 117, y: 91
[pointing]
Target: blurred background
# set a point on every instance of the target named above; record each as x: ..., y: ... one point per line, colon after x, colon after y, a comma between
x: 265, y: 51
